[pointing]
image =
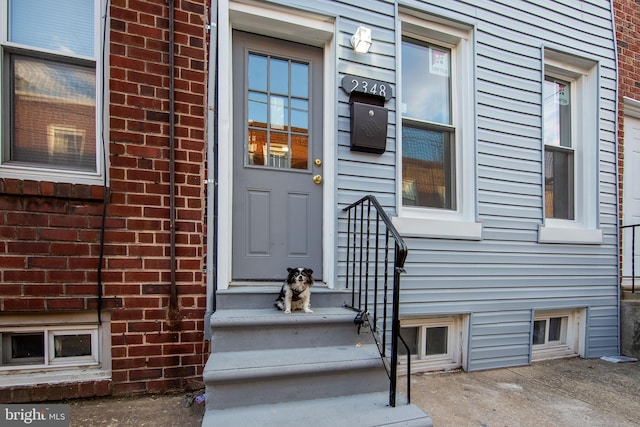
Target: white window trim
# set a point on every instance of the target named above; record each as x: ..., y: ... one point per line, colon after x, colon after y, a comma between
x: 49, y: 333
x: 456, y: 341
x: 85, y: 368
x: 573, y: 344
x: 584, y: 77
x: 37, y: 173
x: 460, y: 223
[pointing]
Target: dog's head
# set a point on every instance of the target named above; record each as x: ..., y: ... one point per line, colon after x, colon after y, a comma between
x: 300, y: 275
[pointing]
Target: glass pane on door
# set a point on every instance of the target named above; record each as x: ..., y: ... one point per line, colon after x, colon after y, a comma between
x: 277, y: 113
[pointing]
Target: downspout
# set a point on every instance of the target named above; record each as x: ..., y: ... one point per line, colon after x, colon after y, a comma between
x: 617, y: 154
x: 173, y: 297
x: 212, y: 171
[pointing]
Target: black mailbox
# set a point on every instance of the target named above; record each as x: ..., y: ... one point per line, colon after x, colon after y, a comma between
x: 368, y: 127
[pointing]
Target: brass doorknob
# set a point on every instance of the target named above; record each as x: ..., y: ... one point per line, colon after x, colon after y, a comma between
x: 317, y: 179
x: 317, y: 162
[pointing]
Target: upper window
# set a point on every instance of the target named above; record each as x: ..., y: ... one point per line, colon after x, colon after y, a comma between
x: 436, y: 179
x: 428, y: 137
x: 49, y: 90
x: 570, y: 141
x: 558, y: 149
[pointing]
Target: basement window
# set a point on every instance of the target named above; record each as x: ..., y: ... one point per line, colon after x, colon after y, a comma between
x: 556, y: 334
x: 434, y: 343
x: 51, y: 346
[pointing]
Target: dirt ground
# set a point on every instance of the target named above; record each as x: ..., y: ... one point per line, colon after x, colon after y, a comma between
x: 562, y: 393
x: 142, y: 411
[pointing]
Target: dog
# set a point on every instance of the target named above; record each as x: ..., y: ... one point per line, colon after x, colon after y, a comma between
x: 295, y: 293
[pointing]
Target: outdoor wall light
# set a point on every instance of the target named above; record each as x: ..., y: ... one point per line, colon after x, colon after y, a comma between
x: 361, y: 40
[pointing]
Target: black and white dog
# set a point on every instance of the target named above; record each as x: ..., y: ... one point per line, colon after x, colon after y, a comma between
x: 295, y: 293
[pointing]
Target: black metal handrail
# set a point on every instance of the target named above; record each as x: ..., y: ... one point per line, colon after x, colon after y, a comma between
x: 359, y: 250
x: 633, y: 254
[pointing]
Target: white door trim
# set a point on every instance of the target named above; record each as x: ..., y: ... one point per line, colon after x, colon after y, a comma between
x: 631, y: 119
x: 294, y: 25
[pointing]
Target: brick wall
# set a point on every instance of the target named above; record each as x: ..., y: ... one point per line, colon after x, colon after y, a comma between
x: 50, y: 232
x: 153, y: 349
x: 627, y: 21
x: 627, y: 18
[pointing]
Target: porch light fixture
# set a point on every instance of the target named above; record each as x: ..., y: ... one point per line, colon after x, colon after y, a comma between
x: 361, y: 40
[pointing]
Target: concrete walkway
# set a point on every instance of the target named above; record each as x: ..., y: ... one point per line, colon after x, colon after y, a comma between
x: 563, y: 393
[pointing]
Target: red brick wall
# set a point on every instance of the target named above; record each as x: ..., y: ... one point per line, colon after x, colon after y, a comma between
x: 627, y: 19
x: 153, y: 350
x: 49, y: 233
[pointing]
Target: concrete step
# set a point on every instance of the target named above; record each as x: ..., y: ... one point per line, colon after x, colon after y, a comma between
x: 259, y: 329
x: 256, y: 377
x: 253, y: 295
x: 361, y: 410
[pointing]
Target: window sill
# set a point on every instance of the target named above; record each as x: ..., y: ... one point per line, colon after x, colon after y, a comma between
x: 26, y: 378
x: 438, y: 228
x: 559, y: 234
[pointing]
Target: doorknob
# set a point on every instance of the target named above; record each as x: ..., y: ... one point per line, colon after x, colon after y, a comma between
x: 317, y: 162
x: 317, y: 179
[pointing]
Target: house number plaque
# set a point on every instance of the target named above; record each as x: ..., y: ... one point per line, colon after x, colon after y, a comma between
x: 351, y: 83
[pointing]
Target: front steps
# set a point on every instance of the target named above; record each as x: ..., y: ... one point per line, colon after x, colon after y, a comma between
x: 269, y: 368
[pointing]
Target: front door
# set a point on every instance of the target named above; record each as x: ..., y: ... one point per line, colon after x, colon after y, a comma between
x: 277, y: 157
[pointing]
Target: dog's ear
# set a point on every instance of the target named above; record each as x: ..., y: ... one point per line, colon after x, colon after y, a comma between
x: 289, y: 270
x: 310, y: 271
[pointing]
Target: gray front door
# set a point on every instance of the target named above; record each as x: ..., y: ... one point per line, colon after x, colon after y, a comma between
x: 277, y: 152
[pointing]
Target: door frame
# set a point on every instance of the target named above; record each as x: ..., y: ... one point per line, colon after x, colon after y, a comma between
x: 631, y: 111
x: 292, y: 25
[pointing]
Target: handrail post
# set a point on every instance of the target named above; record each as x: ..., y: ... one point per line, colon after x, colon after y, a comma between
x: 633, y: 254
x: 395, y: 330
x: 400, y: 255
x: 633, y: 259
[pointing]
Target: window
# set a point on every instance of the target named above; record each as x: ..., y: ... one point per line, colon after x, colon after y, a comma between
x: 558, y: 155
x: 278, y: 113
x: 53, y: 346
x: 436, y: 182
x: 428, y: 155
x: 552, y: 330
x: 50, y: 87
x: 557, y: 333
x: 570, y: 144
x: 434, y: 344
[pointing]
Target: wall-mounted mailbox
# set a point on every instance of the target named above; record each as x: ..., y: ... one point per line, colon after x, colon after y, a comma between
x: 368, y: 127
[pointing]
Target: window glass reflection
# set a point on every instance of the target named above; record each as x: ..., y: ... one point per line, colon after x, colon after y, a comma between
x: 64, y: 26
x: 277, y: 113
x: 426, y: 82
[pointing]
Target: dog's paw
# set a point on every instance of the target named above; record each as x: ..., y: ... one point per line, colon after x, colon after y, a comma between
x: 308, y: 310
x: 287, y: 311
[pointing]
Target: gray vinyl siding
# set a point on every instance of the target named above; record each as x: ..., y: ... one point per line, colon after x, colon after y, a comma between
x: 499, y: 338
x: 503, y: 278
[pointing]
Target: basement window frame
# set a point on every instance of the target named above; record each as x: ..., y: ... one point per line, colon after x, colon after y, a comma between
x: 572, y: 334
x: 48, y: 357
x: 449, y: 360
x: 97, y: 364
